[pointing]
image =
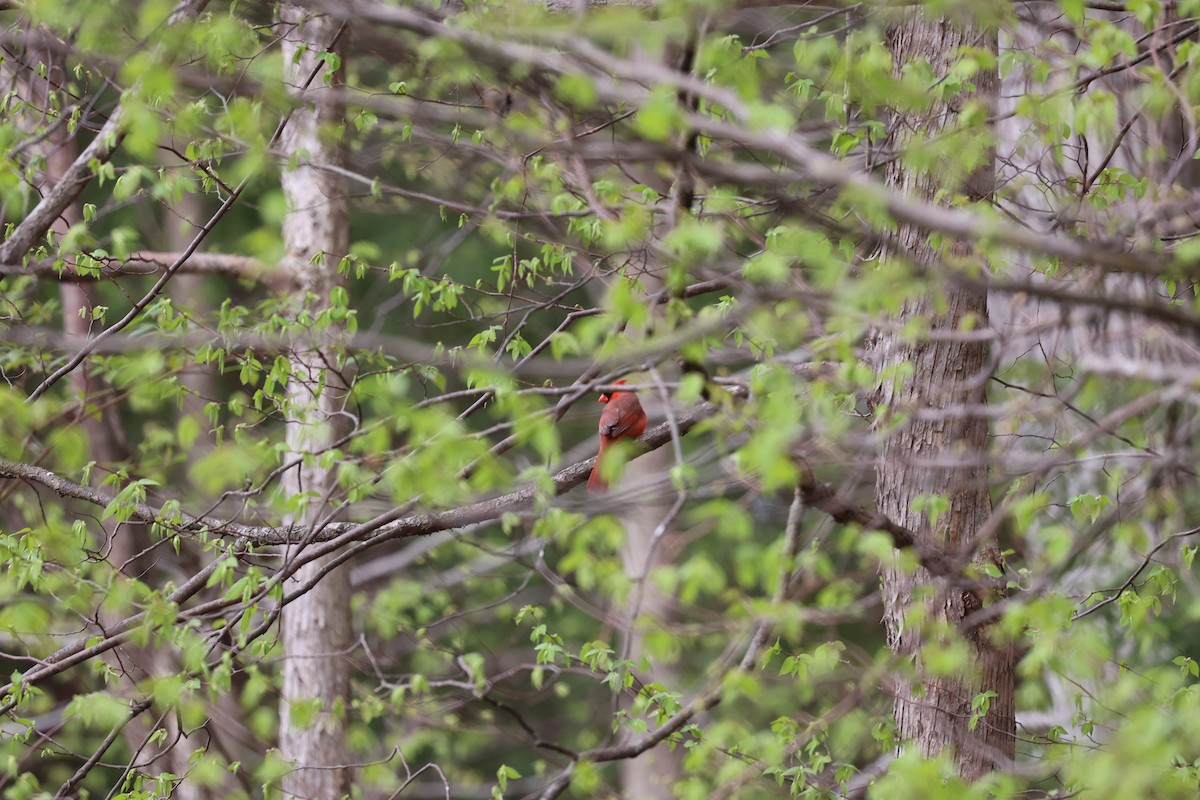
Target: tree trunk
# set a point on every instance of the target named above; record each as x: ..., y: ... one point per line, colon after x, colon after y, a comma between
x: 107, y: 445
x: 934, y: 712
x: 180, y: 223
x: 654, y: 775
x: 316, y: 626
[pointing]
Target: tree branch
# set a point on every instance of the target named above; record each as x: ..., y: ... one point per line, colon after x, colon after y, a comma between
x: 808, y: 162
x: 100, y: 150
x: 145, y: 263
x: 386, y: 526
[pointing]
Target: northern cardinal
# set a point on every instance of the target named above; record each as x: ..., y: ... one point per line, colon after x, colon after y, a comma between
x: 622, y: 418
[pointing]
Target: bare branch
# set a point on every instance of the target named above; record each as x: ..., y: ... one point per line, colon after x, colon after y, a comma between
x: 100, y: 150
x: 808, y: 161
x: 146, y: 263
x: 384, y: 527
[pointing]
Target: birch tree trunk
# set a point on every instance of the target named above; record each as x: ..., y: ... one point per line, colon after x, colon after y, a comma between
x: 933, y: 712
x: 316, y: 626
x: 654, y: 775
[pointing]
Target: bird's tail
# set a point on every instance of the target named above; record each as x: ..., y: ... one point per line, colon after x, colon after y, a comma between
x: 595, y: 482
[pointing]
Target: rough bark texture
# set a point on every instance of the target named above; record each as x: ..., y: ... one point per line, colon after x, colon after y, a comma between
x: 933, y: 713
x: 316, y: 627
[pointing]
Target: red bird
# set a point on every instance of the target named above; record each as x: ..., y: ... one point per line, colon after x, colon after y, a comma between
x: 622, y: 418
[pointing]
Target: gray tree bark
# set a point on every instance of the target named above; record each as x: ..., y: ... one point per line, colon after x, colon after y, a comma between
x: 316, y: 626
x: 653, y: 775
x: 932, y: 712
x: 181, y: 222
x: 650, y: 535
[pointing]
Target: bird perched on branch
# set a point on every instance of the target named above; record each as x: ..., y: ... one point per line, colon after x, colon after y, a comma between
x: 623, y: 418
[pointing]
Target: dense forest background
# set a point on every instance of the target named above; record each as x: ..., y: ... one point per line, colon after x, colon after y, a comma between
x: 305, y: 308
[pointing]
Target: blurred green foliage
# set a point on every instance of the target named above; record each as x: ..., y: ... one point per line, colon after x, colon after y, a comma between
x: 496, y: 259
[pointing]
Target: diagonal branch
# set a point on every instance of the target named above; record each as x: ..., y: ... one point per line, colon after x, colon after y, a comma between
x: 100, y: 150
x: 182, y: 257
x: 145, y: 263
x: 618, y: 80
x: 391, y: 525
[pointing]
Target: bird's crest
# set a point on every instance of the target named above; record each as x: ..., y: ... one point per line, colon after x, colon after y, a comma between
x: 604, y: 398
